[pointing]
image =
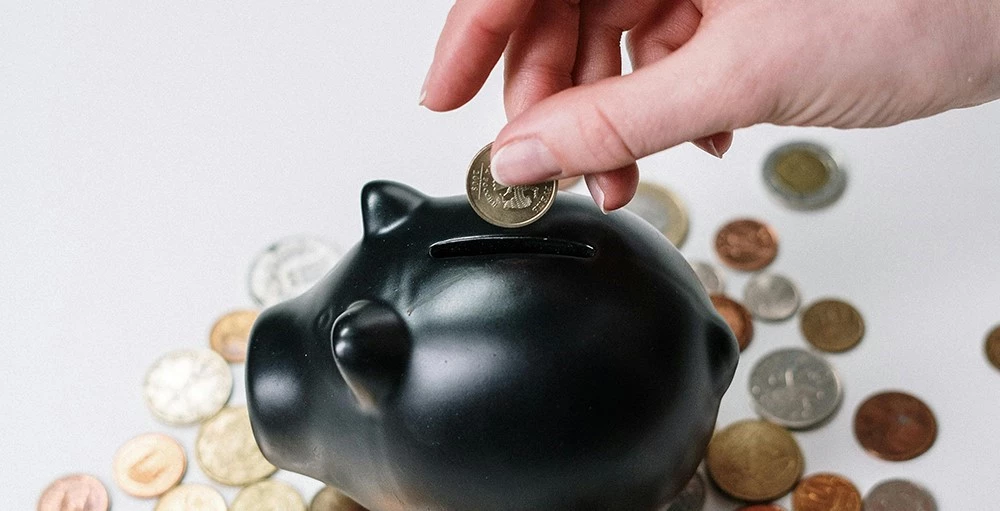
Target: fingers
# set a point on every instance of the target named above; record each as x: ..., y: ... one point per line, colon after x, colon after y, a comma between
x: 613, y: 189
x: 540, y: 55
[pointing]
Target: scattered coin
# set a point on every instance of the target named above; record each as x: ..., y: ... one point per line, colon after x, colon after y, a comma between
x: 895, y: 426
x: 662, y: 209
x: 794, y: 388
x: 289, y: 267
x: 826, y: 492
x: 191, y: 497
x: 227, y: 452
x: 754, y: 461
x: 505, y: 206
x: 771, y: 297
x: 899, y: 495
x: 149, y: 465
x: 710, y: 276
x: 993, y: 347
x: 804, y: 175
x: 832, y: 325
x: 270, y: 495
x: 230, y: 334
x: 746, y: 244
x: 78, y: 492
x: 762, y: 507
x: 691, y: 498
x: 330, y: 499
x: 737, y: 317
x: 187, y: 386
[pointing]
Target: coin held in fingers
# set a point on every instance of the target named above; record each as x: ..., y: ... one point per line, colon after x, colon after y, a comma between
x: 501, y: 205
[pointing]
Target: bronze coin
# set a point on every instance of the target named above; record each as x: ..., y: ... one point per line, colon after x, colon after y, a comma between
x: 762, y: 507
x: 149, y: 465
x: 738, y: 318
x: 993, y: 347
x: 895, y: 426
x: 832, y: 325
x: 746, y: 244
x: 230, y: 334
x: 826, y: 492
x: 78, y: 492
x: 330, y: 499
x: 754, y: 461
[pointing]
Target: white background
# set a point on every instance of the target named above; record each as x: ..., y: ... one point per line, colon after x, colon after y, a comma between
x: 149, y: 150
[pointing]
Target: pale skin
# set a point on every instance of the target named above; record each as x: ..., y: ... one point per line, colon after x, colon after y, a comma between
x: 703, y: 68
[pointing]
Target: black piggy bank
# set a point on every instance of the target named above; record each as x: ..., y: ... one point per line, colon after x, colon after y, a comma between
x: 449, y: 364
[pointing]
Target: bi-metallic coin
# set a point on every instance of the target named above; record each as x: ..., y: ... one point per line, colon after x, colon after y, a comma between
x: 826, y: 492
x: 710, y: 276
x: 895, y: 426
x: 746, y: 244
x: 755, y: 461
x: 771, y: 297
x: 227, y: 452
x: 270, y: 495
x: 691, y: 498
x: 899, y: 495
x: 191, y: 497
x: 804, y: 175
x: 794, y: 388
x: 289, y: 267
x: 662, y: 209
x: 832, y: 325
x: 149, y: 465
x: 505, y: 206
x: 77, y: 492
x: 187, y: 386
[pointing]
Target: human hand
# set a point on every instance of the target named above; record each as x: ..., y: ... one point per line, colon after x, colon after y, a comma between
x: 702, y: 69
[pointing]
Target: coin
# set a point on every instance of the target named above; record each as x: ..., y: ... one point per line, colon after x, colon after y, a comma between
x: 505, y: 206
x: 227, y: 452
x: 287, y: 268
x: 754, y: 460
x: 710, y: 277
x: 691, y: 498
x: 993, y: 347
x: 746, y: 244
x: 268, y: 495
x: 230, y: 334
x: 737, y: 317
x: 794, y: 388
x: 832, y: 325
x: 78, y: 492
x: 771, y: 297
x: 826, y: 492
x: 330, y: 499
x: 187, y: 386
x: 191, y: 497
x: 762, y: 507
x: 149, y: 465
x: 662, y: 209
x: 804, y: 176
x: 895, y: 426
x: 899, y: 495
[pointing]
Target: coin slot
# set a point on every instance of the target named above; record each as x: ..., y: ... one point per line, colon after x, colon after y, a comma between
x: 510, y: 245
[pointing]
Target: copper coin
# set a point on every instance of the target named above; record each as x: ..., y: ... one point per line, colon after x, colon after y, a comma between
x: 754, y: 461
x: 231, y: 333
x: 78, y: 492
x: 826, y: 492
x: 737, y: 317
x: 330, y: 499
x: 832, y: 325
x: 762, y: 507
x: 993, y: 347
x: 149, y: 465
x: 746, y: 244
x: 895, y: 426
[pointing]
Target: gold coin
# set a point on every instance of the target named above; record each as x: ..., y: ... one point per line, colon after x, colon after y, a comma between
x: 268, y: 495
x: 330, y: 499
x: 227, y: 451
x: 832, y: 325
x: 505, y: 206
x: 662, y: 209
x: 230, y: 334
x: 754, y: 461
x: 802, y: 171
x: 993, y: 347
x: 149, y: 465
x: 191, y: 497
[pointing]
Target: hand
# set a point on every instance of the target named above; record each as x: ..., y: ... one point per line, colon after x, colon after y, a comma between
x: 702, y: 69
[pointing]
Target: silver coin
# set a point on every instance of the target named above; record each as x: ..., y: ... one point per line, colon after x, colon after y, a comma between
x: 289, y: 267
x: 804, y: 175
x: 710, y: 276
x: 771, y: 297
x: 794, y: 388
x: 899, y: 495
x: 691, y: 498
x: 187, y: 386
x: 662, y: 209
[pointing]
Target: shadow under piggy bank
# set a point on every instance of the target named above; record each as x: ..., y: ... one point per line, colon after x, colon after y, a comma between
x: 449, y: 364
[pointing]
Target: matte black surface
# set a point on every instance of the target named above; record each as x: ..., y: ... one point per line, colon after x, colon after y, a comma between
x: 449, y: 364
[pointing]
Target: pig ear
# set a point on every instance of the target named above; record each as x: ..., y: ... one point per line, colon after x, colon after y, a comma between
x: 371, y: 346
x: 385, y: 204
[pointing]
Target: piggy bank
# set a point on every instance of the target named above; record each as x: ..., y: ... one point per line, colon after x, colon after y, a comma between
x: 448, y: 364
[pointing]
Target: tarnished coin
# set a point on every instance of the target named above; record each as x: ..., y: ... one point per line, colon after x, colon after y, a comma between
x: 737, y: 317
x: 289, y: 267
x: 270, y: 495
x: 330, y: 499
x: 771, y: 297
x: 804, y: 175
x: 187, y: 386
x: 691, y: 498
x: 662, y: 209
x: 149, y: 465
x: 710, y: 277
x: 746, y: 244
x: 794, y: 388
x: 754, y: 461
x: 227, y: 451
x: 191, y: 497
x: 505, y: 206
x: 895, y: 426
x: 832, y: 325
x: 899, y: 495
x: 993, y: 347
x: 230, y: 334
x: 78, y: 492
x: 826, y: 492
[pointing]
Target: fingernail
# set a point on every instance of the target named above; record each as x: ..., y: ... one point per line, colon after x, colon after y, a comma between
x: 710, y: 146
x: 524, y: 161
x: 423, y: 96
x: 597, y: 193
x: 722, y: 141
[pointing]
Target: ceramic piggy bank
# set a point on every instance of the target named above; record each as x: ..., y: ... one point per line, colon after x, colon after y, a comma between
x: 449, y: 364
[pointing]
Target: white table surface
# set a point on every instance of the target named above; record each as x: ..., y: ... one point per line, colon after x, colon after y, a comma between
x: 148, y: 150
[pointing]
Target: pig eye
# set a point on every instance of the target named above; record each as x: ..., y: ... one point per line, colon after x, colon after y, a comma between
x: 510, y: 245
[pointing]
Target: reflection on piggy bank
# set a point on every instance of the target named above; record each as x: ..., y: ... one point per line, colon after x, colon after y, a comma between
x: 449, y: 364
